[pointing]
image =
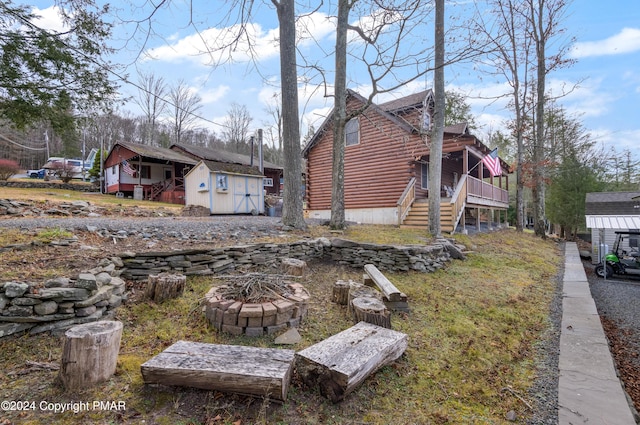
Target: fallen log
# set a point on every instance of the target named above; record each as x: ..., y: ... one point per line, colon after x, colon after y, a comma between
x: 338, y: 364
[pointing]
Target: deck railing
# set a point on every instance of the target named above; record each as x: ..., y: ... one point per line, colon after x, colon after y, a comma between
x: 157, y: 188
x: 484, y: 190
x: 406, y: 200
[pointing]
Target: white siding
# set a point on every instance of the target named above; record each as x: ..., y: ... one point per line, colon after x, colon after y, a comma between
x: 224, y: 193
x: 198, y: 187
x: 362, y: 215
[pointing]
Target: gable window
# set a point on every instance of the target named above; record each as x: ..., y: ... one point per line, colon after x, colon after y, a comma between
x: 352, y: 132
x: 424, y: 175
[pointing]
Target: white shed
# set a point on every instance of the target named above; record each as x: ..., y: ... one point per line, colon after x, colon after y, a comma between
x: 225, y: 188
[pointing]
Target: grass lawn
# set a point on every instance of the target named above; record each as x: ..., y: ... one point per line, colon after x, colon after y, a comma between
x: 472, y: 358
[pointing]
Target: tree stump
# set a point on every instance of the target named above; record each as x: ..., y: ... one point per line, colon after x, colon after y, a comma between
x: 341, y: 292
x: 371, y: 310
x: 90, y: 354
x: 293, y: 266
x: 358, y: 290
x: 165, y: 286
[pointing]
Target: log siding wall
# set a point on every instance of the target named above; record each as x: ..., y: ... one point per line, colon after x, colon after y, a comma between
x: 376, y: 170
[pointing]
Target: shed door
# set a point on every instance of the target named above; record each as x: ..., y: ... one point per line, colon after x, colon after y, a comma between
x: 246, y: 195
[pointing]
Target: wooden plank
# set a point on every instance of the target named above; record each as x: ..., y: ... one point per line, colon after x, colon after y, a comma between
x: 263, y: 372
x: 343, y: 361
x: 389, y: 290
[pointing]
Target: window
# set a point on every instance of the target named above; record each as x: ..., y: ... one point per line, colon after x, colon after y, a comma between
x: 145, y: 171
x: 352, y: 132
x: 268, y: 182
x: 426, y: 121
x: 113, y: 170
x: 221, y: 182
x: 424, y: 175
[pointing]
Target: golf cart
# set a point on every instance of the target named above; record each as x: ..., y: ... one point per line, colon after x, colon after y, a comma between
x: 621, y: 261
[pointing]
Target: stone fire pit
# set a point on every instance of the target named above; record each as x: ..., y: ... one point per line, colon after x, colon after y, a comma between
x: 256, y: 304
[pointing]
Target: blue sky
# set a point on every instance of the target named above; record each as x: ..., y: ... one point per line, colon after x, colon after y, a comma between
x: 607, y: 70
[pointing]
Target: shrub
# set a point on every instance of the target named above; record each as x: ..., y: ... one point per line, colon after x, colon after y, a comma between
x: 8, y: 168
x: 64, y: 172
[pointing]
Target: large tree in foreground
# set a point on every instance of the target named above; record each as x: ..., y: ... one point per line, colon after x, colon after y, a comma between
x: 51, y: 75
x: 292, y: 214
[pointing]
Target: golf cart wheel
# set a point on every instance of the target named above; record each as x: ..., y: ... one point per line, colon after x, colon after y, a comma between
x: 600, y: 271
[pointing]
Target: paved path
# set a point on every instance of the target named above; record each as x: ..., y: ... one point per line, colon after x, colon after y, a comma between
x: 589, y: 391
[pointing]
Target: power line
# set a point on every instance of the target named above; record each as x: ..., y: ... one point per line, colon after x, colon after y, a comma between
x: 21, y: 145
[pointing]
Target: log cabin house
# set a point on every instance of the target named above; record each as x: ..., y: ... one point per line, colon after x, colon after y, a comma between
x: 386, y: 169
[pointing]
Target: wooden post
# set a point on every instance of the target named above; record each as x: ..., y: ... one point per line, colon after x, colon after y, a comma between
x: 90, y: 354
x: 164, y: 286
x: 371, y: 310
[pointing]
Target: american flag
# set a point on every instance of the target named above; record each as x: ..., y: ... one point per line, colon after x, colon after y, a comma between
x: 492, y: 162
x: 127, y: 168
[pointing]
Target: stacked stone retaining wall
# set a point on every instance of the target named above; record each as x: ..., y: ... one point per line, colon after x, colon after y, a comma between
x: 63, y: 302
x: 138, y: 266
x: 59, y: 303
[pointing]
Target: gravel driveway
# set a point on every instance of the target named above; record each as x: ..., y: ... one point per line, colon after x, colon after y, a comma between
x: 618, y: 304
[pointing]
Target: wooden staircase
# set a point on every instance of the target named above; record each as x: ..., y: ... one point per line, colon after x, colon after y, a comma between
x: 418, y: 217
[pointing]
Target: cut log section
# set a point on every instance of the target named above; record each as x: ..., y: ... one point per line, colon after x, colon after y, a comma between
x: 343, y: 361
x: 165, y: 286
x: 90, y: 354
x: 358, y: 290
x: 262, y: 372
x: 293, y: 266
x: 371, y: 310
x: 341, y: 291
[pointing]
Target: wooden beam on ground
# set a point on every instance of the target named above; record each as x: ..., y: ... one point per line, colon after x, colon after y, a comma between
x: 262, y: 372
x: 392, y: 297
x: 338, y: 364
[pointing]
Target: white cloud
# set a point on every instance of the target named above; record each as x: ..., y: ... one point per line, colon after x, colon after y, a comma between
x: 626, y: 41
x: 49, y: 19
x: 220, y: 45
x: 214, y: 95
x: 312, y: 29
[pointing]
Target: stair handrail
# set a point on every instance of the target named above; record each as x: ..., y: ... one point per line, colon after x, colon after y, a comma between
x: 459, y: 200
x: 406, y: 200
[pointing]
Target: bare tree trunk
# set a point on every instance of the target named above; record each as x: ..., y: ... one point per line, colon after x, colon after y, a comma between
x: 292, y: 198
x: 339, y: 119
x: 540, y: 39
x: 435, y: 149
